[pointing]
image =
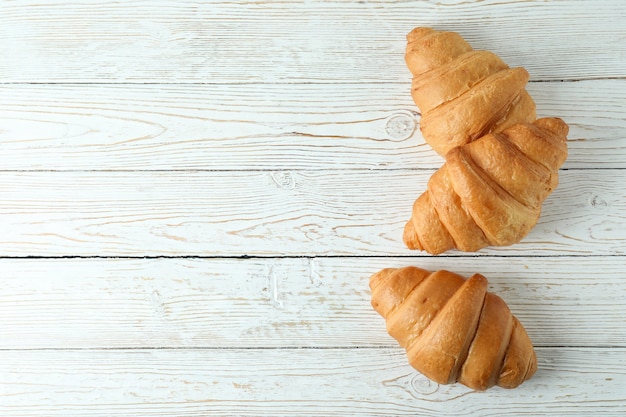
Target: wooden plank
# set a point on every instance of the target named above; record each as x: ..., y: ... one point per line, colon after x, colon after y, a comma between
x: 317, y: 302
x: 235, y: 127
x: 288, y: 382
x: 272, y: 213
x: 292, y: 41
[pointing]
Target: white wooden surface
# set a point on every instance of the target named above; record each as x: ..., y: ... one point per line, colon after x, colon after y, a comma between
x: 193, y: 196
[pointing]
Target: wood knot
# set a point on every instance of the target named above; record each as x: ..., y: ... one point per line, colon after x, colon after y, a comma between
x: 415, y: 384
x: 284, y: 180
x: 597, y: 201
x: 400, y: 126
x: 423, y: 386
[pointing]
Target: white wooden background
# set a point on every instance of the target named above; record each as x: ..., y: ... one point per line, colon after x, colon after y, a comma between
x: 193, y: 195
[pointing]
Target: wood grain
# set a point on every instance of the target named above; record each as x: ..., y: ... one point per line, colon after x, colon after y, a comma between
x: 261, y: 303
x: 301, y: 213
x: 273, y: 127
x: 290, y: 41
x: 288, y: 382
x: 194, y: 194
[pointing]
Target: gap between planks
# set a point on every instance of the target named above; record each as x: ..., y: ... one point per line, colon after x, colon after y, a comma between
x: 452, y: 254
x: 261, y: 348
x: 276, y: 83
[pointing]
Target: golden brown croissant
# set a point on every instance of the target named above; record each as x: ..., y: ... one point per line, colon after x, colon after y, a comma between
x: 452, y: 328
x: 463, y: 94
x: 490, y: 191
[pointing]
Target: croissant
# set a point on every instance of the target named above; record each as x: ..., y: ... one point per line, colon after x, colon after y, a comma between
x: 490, y: 191
x: 463, y: 94
x: 453, y: 329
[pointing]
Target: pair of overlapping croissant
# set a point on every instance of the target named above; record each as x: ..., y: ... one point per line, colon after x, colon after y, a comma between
x: 500, y: 165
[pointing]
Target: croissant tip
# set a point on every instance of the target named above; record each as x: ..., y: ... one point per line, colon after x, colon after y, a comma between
x: 522, y: 71
x: 479, y: 277
x: 532, y: 367
x: 410, y: 238
x: 555, y: 125
x: 379, y: 276
x: 418, y: 32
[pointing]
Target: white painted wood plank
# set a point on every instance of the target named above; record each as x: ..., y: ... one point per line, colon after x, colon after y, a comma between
x: 323, y: 302
x: 280, y: 336
x: 288, y: 382
x: 272, y: 213
x: 235, y: 127
x: 292, y: 41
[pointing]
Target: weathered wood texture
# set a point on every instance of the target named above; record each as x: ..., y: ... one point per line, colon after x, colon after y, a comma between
x: 372, y: 382
x: 263, y: 303
x: 292, y: 41
x: 274, y: 127
x: 272, y: 213
x: 147, y: 147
